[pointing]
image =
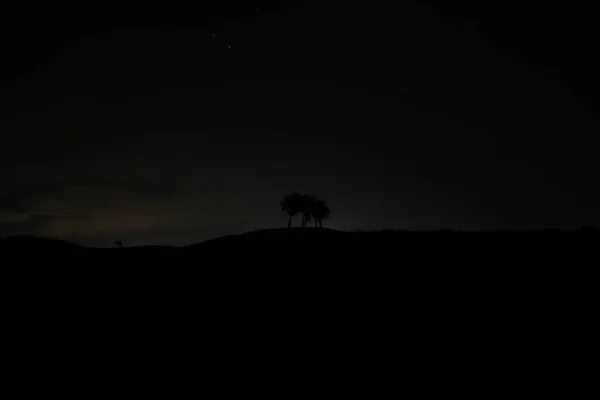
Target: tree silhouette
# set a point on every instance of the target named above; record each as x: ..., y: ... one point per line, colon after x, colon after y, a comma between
x: 307, y: 205
x: 291, y: 204
x: 320, y: 211
x: 310, y: 208
x: 118, y: 243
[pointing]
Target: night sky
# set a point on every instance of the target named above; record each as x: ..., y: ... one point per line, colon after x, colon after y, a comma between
x: 174, y: 126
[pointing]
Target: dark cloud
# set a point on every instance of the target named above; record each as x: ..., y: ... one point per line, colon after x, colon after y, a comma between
x: 94, y: 214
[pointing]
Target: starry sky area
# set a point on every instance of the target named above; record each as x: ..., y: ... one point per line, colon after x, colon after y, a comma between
x: 172, y: 127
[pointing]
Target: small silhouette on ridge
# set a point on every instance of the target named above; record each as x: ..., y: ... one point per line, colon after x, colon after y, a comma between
x: 308, y: 206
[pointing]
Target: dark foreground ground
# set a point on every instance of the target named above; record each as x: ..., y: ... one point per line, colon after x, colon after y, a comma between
x: 311, y: 243
x: 305, y: 312
x: 322, y: 252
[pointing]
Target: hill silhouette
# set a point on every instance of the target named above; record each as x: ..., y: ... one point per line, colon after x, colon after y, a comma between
x: 452, y: 297
x: 34, y: 245
x: 324, y: 245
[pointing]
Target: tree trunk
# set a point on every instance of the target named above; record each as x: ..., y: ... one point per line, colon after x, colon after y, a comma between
x: 316, y: 223
x: 290, y: 222
x: 320, y: 223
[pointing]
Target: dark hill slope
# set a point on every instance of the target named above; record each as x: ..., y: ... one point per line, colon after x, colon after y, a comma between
x: 333, y: 247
